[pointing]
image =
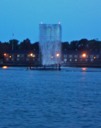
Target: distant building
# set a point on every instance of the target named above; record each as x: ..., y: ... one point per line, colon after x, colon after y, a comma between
x: 21, y: 58
x: 50, y: 43
x: 81, y: 58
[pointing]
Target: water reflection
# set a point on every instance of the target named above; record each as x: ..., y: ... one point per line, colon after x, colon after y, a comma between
x: 70, y: 98
x: 84, y: 69
x: 5, y: 67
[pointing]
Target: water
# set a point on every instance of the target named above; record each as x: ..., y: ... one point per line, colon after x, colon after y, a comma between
x: 50, y: 43
x: 70, y: 98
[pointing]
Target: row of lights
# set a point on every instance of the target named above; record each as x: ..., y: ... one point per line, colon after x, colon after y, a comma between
x: 84, y: 55
x: 57, y: 55
x: 29, y: 55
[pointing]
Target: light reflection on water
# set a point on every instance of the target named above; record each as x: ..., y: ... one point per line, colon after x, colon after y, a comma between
x: 50, y: 99
x: 4, y: 67
x: 84, y: 69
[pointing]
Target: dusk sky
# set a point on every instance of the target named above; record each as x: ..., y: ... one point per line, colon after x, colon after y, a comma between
x: 79, y: 18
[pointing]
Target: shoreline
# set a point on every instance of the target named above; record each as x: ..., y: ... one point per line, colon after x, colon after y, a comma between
x: 38, y: 66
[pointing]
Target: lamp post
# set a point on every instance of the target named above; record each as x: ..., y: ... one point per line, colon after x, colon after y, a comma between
x: 58, y: 60
x: 31, y: 57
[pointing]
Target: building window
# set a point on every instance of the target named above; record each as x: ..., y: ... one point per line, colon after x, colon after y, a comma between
x: 7, y: 59
x: 80, y: 56
x: 65, y: 56
x: 91, y: 60
x: 18, y: 59
x: 86, y: 60
x: 76, y: 60
x: 22, y: 55
x: 12, y: 59
x: 27, y: 59
x: 65, y: 60
x: 70, y: 60
x: 91, y: 56
x: 75, y: 56
x: 18, y: 55
x: 97, y: 56
x: 70, y: 56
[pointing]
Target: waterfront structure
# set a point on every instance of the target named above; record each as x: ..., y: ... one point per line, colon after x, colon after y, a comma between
x: 21, y: 58
x: 50, y: 43
x: 68, y: 58
x: 81, y: 58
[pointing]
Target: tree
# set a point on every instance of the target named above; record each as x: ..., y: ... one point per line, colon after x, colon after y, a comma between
x: 83, y: 44
x: 74, y: 45
x: 4, y: 47
x: 94, y: 45
x: 13, y: 44
x: 65, y: 46
x: 25, y: 45
x: 35, y: 47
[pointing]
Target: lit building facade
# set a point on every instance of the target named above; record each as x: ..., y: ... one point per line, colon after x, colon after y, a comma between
x: 50, y: 43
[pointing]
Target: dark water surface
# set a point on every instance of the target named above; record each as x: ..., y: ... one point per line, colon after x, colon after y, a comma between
x: 70, y: 98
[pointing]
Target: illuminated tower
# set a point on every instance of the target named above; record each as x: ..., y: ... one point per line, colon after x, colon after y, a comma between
x: 50, y: 43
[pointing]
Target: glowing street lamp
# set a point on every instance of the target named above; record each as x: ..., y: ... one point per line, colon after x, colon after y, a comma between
x: 57, y: 55
x: 31, y: 55
x: 5, y: 54
x: 84, y: 55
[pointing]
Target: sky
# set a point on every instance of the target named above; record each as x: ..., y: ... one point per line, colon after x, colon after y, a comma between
x: 20, y: 19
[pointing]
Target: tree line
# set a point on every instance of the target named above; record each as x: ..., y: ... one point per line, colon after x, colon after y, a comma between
x: 77, y: 45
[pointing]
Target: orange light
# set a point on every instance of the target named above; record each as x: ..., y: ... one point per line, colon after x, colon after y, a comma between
x: 31, y: 55
x: 4, y: 67
x: 5, y: 54
x: 84, y: 55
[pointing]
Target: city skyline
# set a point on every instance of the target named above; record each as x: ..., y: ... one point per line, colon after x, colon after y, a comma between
x: 20, y: 18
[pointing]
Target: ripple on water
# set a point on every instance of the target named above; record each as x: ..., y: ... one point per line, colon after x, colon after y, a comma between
x: 34, y: 99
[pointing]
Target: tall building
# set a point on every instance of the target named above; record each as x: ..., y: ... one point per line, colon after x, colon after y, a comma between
x: 50, y: 43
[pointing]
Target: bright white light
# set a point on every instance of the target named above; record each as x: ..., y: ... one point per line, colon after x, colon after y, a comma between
x: 4, y: 67
x: 57, y: 55
x: 32, y: 55
x: 84, y: 55
x: 10, y: 56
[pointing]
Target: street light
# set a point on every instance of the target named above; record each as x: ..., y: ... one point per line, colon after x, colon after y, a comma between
x: 5, y: 54
x: 84, y: 55
x: 31, y: 55
x: 31, y: 58
x: 58, y: 61
x: 57, y: 55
